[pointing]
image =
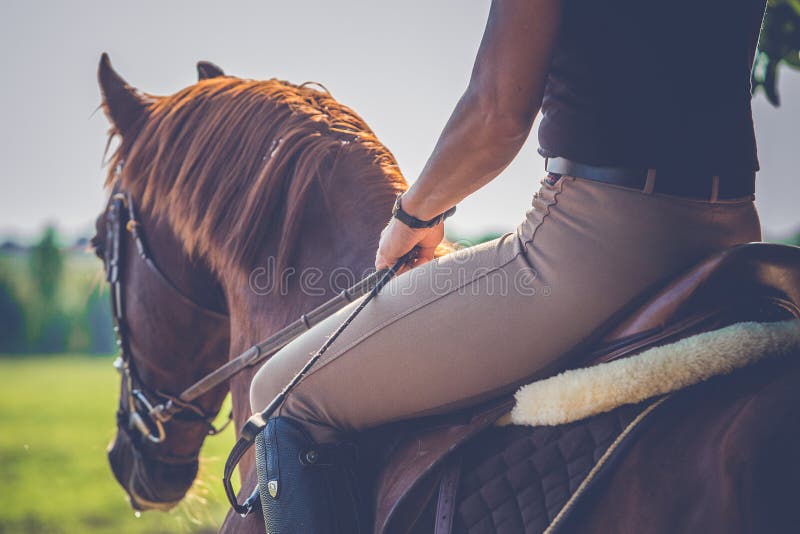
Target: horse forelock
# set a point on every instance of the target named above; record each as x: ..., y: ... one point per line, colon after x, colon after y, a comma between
x: 229, y: 163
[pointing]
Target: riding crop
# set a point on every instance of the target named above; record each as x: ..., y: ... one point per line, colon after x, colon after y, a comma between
x: 258, y: 421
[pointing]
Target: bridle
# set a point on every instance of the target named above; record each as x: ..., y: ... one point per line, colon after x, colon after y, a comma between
x: 148, y: 409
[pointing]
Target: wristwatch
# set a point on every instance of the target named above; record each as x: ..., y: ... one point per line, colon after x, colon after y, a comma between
x: 413, y: 222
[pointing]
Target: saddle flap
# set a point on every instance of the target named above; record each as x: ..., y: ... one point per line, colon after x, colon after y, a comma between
x: 417, y: 457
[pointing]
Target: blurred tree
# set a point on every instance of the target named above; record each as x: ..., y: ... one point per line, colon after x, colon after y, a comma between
x: 54, y: 333
x: 47, y: 264
x: 12, y: 319
x: 99, y: 323
x: 48, y: 324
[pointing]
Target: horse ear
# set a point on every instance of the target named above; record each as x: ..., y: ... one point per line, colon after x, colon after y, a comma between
x: 207, y: 70
x: 123, y: 104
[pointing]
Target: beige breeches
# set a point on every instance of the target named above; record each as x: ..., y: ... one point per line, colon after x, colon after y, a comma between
x: 479, y: 322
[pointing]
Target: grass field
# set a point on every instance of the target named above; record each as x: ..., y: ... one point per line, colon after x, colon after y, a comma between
x: 56, y: 418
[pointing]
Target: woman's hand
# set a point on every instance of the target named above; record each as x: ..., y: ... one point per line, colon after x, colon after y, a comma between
x: 398, y: 238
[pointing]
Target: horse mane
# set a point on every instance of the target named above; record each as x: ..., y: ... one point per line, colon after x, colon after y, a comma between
x: 228, y: 161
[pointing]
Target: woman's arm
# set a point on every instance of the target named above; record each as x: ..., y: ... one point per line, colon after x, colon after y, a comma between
x: 489, y: 124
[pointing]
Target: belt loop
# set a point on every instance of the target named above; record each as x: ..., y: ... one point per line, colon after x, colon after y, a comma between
x: 714, y: 188
x: 650, y: 184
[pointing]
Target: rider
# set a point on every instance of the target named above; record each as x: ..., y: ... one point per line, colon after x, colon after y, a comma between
x: 651, y: 158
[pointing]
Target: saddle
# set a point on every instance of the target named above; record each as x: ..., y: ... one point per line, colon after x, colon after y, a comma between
x: 436, y: 464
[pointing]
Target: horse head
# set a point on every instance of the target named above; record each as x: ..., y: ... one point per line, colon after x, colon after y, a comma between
x: 172, y: 328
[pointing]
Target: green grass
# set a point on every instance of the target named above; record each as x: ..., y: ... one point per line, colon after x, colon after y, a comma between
x: 56, y: 418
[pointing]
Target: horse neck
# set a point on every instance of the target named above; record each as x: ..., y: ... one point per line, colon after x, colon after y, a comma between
x: 339, y: 238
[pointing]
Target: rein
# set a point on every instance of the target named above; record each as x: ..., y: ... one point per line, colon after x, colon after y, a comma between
x: 266, y: 348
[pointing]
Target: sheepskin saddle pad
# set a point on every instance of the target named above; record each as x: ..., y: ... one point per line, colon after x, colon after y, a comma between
x: 567, y: 431
x: 580, y: 393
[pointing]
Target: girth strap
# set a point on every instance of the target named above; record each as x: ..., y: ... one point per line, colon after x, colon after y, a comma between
x: 448, y: 491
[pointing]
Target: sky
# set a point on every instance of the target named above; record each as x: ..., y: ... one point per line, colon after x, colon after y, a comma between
x: 401, y: 65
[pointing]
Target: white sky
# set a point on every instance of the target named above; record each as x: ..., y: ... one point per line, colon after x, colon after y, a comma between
x: 401, y: 65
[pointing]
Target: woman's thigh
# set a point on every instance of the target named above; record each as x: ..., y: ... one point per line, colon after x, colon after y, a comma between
x: 413, y: 334
x: 477, y: 323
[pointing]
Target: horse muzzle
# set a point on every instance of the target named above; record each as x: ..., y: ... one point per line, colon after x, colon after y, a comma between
x: 151, y: 484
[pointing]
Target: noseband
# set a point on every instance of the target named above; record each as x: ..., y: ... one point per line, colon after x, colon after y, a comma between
x: 148, y: 410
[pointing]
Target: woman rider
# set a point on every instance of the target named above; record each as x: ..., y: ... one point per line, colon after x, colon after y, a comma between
x: 651, y: 158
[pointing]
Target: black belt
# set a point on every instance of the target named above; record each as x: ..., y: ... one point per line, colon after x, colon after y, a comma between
x: 683, y: 183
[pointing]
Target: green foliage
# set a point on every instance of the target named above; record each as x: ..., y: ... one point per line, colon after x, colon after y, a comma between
x: 794, y: 240
x: 46, y: 264
x: 12, y: 318
x: 470, y: 241
x: 55, y: 330
x: 778, y: 44
x: 98, y: 323
x: 56, y: 417
x: 53, y: 300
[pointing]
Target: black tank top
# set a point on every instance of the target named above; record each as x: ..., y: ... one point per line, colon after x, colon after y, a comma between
x: 654, y: 84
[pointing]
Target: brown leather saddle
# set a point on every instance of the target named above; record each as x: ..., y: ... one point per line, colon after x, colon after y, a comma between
x: 418, y: 484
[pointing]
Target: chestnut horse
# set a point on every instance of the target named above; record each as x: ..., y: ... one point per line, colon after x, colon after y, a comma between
x: 255, y: 201
x: 238, y: 205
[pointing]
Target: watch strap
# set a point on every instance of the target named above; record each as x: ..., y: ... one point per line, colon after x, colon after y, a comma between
x: 409, y: 220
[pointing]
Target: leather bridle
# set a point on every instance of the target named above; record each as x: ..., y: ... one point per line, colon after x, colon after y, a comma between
x: 148, y: 410
x: 144, y: 409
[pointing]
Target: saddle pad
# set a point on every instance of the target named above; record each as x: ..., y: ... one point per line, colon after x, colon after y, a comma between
x: 579, y: 393
x: 529, y: 476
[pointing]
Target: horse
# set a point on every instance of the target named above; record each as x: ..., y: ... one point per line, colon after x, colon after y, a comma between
x: 227, y: 194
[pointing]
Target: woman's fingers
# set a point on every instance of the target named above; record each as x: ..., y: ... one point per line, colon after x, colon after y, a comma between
x: 398, y: 239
